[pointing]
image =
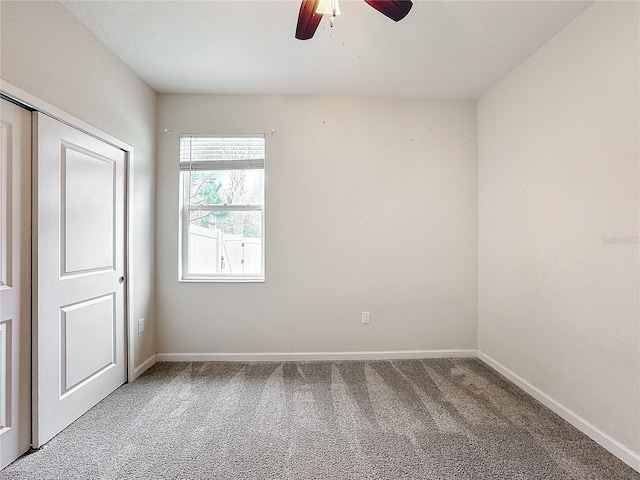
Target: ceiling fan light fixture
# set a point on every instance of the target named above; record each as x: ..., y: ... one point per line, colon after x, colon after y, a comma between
x: 312, y: 11
x: 328, y: 7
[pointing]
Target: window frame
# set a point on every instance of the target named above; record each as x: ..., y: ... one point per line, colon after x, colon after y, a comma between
x: 185, y: 208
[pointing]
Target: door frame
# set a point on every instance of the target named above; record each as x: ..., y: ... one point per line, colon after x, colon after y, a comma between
x: 31, y: 102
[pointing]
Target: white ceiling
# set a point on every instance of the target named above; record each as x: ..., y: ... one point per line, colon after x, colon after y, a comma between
x: 442, y: 49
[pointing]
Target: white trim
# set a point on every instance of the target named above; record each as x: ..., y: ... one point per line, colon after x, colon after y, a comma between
x: 188, y: 165
x: 144, y: 366
x: 612, y: 445
x: 34, y: 103
x: 131, y: 322
x: 221, y: 279
x: 313, y: 356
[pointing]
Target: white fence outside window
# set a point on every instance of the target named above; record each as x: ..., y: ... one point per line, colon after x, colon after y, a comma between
x: 211, y: 251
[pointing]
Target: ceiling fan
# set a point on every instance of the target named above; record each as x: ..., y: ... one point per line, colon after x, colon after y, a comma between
x: 311, y: 12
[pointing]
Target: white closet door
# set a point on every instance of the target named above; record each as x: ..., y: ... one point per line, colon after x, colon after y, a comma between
x: 15, y: 282
x: 80, y: 251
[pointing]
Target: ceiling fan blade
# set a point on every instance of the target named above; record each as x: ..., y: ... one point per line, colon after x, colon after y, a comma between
x: 308, y: 19
x: 394, y: 9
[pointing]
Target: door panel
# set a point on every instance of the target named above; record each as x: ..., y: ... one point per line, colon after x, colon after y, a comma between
x: 80, y: 307
x: 88, y: 184
x: 15, y: 282
x: 88, y: 340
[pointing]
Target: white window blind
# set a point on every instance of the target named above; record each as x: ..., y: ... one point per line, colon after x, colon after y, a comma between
x: 221, y: 153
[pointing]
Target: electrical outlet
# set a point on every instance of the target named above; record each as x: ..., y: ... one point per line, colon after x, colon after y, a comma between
x: 140, y: 326
x: 366, y: 317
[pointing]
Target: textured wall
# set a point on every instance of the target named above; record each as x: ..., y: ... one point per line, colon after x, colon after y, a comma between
x: 558, y: 220
x: 370, y: 205
x: 48, y: 53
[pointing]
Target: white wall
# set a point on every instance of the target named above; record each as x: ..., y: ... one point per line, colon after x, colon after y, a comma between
x: 370, y: 205
x: 558, y: 160
x: 46, y: 52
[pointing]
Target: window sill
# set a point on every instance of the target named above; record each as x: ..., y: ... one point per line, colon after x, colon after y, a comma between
x: 229, y: 279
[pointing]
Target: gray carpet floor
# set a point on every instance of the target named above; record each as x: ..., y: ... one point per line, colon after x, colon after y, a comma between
x: 410, y: 419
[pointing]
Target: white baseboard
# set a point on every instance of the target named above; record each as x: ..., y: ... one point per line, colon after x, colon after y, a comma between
x: 144, y: 366
x: 313, y: 356
x: 616, y: 448
x: 619, y: 450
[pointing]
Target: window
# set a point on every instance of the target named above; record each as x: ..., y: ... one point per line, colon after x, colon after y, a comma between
x: 222, y: 208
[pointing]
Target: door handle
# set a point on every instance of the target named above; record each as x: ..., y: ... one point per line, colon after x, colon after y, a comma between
x: 121, y: 280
